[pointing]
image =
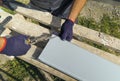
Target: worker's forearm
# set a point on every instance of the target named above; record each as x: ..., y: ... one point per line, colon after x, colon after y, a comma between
x: 2, y: 43
x: 76, y: 8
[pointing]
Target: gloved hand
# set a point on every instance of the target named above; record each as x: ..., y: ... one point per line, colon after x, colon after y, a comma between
x: 67, y: 30
x: 16, y: 46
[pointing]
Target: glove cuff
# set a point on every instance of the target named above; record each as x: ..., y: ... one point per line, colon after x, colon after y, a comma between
x: 71, y: 23
x: 71, y: 20
x: 4, y: 44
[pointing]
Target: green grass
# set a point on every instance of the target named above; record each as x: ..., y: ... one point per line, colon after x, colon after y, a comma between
x: 18, y: 70
x: 110, y: 26
x: 7, y: 10
x: 107, y: 25
x: 24, y: 1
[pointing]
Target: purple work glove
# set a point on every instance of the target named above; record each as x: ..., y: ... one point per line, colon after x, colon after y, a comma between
x: 16, y: 46
x: 67, y: 30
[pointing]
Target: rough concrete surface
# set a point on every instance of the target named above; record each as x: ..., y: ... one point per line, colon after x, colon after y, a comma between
x: 96, y: 8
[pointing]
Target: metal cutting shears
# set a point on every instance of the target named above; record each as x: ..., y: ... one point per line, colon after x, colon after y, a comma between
x: 43, y: 37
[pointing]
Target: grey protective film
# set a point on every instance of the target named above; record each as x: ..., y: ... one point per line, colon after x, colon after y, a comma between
x: 78, y: 62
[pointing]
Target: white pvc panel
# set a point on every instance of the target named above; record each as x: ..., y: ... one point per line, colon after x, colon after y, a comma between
x: 78, y: 62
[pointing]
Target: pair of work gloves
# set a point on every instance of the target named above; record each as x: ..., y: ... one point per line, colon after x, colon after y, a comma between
x: 16, y: 46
